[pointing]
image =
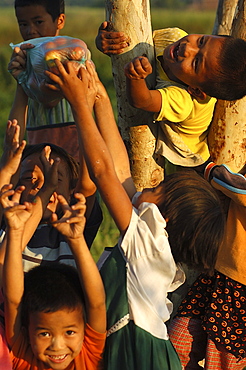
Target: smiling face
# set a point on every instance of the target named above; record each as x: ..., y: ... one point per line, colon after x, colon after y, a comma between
x: 34, y: 21
x: 56, y: 338
x: 32, y: 177
x: 192, y: 59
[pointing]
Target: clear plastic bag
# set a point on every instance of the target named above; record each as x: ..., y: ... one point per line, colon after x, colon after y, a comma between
x: 41, y: 58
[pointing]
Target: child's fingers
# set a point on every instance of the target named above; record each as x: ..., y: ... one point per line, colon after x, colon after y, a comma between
x: 46, y: 152
x: 5, y: 188
x: 74, y: 219
x: 130, y: 70
x: 17, y: 194
x: 6, y: 192
x: 26, y: 46
x: 80, y: 197
x: 52, y: 86
x: 53, y: 218
x: 145, y: 64
x: 28, y: 206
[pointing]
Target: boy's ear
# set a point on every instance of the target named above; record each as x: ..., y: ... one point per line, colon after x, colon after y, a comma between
x: 197, y: 92
x: 61, y: 21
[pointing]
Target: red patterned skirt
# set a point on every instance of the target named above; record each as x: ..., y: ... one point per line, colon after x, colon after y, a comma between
x: 220, y: 303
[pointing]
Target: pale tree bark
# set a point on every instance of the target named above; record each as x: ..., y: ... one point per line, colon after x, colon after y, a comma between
x: 224, y: 17
x: 227, y: 135
x: 133, y: 17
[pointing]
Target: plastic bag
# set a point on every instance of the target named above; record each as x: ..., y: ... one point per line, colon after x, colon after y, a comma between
x: 41, y: 58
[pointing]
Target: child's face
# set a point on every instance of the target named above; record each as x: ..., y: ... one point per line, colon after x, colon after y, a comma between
x: 192, y: 58
x: 152, y: 195
x: 34, y: 21
x: 56, y: 338
x: 32, y: 177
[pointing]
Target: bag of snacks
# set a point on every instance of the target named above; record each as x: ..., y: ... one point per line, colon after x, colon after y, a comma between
x: 41, y: 57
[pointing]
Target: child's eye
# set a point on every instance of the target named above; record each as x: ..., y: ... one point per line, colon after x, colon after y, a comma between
x: 201, y: 41
x: 39, y: 22
x: 70, y: 332
x: 44, y: 334
x: 196, y: 61
x: 29, y: 178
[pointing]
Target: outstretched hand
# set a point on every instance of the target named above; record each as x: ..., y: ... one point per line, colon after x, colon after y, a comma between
x: 16, y: 214
x: 74, y: 85
x: 50, y: 169
x: 12, y: 149
x: 72, y: 223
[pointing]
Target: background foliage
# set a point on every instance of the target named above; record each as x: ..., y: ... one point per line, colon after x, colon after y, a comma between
x: 83, y: 23
x: 100, y: 3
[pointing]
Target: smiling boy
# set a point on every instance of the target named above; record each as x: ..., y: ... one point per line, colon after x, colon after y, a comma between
x: 192, y: 71
x: 55, y: 315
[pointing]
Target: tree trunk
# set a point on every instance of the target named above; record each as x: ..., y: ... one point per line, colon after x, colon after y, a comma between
x: 133, y: 17
x: 224, y: 17
x: 227, y: 135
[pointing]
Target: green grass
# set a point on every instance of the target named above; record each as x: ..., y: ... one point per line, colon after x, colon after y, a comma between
x: 83, y: 23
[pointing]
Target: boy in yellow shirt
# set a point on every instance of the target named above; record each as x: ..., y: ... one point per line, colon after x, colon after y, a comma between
x: 192, y: 71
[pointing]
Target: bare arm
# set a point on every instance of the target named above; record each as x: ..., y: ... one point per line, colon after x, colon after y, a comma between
x: 13, y: 275
x: 137, y: 91
x: 84, y: 184
x: 71, y: 225
x: 98, y: 158
x: 108, y: 129
x: 19, y: 107
x: 12, y: 152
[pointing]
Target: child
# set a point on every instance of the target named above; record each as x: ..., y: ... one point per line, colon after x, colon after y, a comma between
x: 211, y: 320
x: 41, y: 18
x: 142, y: 269
x: 192, y: 71
x: 41, y: 242
x: 55, y: 324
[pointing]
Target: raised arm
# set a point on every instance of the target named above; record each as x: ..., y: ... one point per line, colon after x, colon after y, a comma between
x: 97, y: 155
x: 13, y: 276
x: 12, y: 152
x: 137, y: 90
x: 40, y: 202
x: 71, y: 225
x: 16, y: 66
x: 108, y: 129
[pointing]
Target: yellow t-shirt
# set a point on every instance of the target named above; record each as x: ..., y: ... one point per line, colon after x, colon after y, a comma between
x: 183, y: 120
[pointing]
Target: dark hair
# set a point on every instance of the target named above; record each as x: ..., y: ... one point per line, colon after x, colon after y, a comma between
x: 228, y: 81
x: 50, y: 288
x: 195, y: 219
x: 72, y: 165
x: 53, y: 7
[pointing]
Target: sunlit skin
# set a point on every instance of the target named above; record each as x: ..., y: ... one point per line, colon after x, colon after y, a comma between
x: 152, y: 195
x: 192, y: 58
x: 32, y: 177
x: 34, y: 21
x: 56, y: 338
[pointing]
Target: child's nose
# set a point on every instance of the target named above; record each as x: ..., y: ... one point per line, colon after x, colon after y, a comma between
x: 57, y: 343
x: 31, y: 30
x: 190, y: 50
